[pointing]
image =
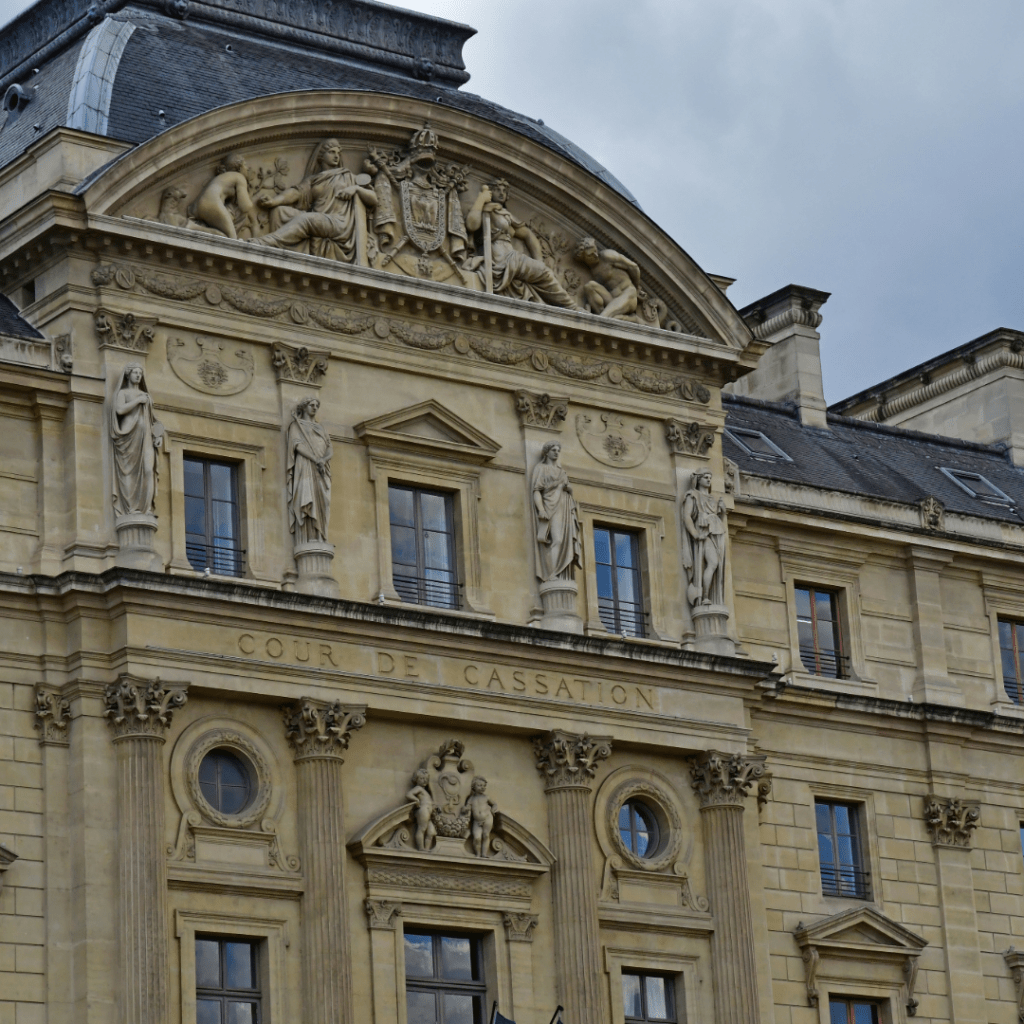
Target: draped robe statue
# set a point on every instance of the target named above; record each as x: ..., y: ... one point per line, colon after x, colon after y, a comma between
x: 136, y: 435
x: 308, y: 474
x: 704, y: 548
x: 558, y: 544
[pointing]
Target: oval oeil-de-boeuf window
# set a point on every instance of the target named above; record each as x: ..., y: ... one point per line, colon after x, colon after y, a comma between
x: 638, y: 828
x: 225, y: 781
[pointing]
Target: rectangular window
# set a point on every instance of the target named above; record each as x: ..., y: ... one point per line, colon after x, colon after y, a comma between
x: 852, y: 1011
x: 619, y: 592
x: 1011, y: 645
x: 839, y: 850
x: 820, y: 632
x: 227, y: 981
x: 648, y: 996
x: 423, y: 547
x: 212, y: 530
x: 444, y: 981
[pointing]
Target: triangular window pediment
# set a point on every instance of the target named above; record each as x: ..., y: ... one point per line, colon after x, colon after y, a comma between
x: 862, y: 927
x: 429, y: 428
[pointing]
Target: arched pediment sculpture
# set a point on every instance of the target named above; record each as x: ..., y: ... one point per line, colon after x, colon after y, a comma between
x: 419, y: 191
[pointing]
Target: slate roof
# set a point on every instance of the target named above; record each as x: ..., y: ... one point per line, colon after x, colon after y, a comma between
x: 184, y: 69
x: 11, y: 322
x: 872, y: 459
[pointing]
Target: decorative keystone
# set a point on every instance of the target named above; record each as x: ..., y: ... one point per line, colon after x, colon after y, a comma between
x: 950, y: 821
x: 137, y: 708
x: 53, y: 716
x: 724, y: 779
x: 321, y: 728
x: 565, y: 759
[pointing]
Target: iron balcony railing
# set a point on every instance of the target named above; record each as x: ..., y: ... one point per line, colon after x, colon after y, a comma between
x: 624, y: 618
x: 439, y: 593
x: 220, y: 558
x: 825, y: 663
x: 845, y: 881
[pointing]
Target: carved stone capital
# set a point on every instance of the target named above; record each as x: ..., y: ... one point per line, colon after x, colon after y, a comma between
x: 950, y: 821
x: 383, y: 914
x: 124, y: 330
x: 321, y: 728
x: 541, y: 410
x: 135, y: 707
x: 53, y: 716
x: 298, y: 364
x: 566, y: 759
x: 688, y: 438
x: 1015, y: 961
x: 519, y: 927
x: 725, y: 779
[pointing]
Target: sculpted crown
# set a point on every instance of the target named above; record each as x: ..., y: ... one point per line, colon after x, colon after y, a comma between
x: 423, y: 143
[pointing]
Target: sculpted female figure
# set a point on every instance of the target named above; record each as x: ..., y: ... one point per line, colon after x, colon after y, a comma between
x: 558, y: 523
x: 515, y: 274
x: 136, y: 436
x: 308, y: 474
x: 704, y: 552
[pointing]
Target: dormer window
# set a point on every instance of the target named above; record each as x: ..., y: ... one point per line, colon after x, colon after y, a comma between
x: 756, y: 444
x: 977, y: 486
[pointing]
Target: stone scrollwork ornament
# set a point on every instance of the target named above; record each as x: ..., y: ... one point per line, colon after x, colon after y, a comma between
x: 688, y: 438
x: 541, y: 410
x: 721, y: 779
x: 566, y: 759
x: 137, y: 708
x: 53, y: 716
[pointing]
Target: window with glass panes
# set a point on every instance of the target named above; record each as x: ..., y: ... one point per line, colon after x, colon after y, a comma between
x: 852, y: 1011
x: 648, y: 996
x: 839, y: 850
x: 423, y: 546
x: 227, y: 981
x: 638, y: 828
x: 1011, y: 646
x: 444, y: 981
x: 820, y: 632
x: 212, y: 529
x: 225, y: 782
x: 619, y: 594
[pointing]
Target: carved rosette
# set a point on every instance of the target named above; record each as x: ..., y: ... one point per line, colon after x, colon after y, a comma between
x: 541, y: 410
x: 950, y: 821
x: 137, y: 708
x: 568, y: 760
x: 53, y: 716
x: 298, y: 364
x: 722, y: 780
x: 383, y: 914
x: 519, y: 927
x: 688, y: 438
x: 124, y: 330
x: 321, y: 728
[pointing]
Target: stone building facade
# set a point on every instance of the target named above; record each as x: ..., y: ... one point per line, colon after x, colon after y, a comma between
x: 424, y: 590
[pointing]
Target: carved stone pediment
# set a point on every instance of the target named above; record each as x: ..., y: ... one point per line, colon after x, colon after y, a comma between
x: 429, y: 428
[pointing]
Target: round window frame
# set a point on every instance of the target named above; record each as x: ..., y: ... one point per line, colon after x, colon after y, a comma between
x: 654, y: 829
x: 665, y: 815
x: 250, y: 757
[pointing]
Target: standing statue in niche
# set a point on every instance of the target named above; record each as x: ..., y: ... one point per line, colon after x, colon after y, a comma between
x: 136, y: 435
x: 512, y: 272
x: 704, y: 548
x: 423, y: 815
x: 308, y: 474
x: 615, y: 287
x: 558, y: 546
x: 321, y: 214
x: 481, y: 810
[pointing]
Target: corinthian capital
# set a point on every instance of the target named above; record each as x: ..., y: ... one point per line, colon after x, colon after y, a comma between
x: 565, y: 759
x: 950, y: 821
x: 321, y: 728
x: 137, y: 708
x: 53, y: 716
x: 725, y: 779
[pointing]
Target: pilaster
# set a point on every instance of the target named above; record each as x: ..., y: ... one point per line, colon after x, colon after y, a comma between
x: 722, y: 782
x: 568, y: 763
x: 933, y: 685
x: 139, y: 714
x: 319, y: 733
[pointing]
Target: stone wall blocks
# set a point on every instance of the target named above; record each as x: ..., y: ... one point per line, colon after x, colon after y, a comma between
x: 770, y: 878
x: 807, y: 860
x: 19, y: 773
x: 799, y: 881
x: 27, y: 750
x: 29, y: 959
x: 783, y: 814
x: 28, y: 902
x: 768, y: 835
x: 20, y: 823
x: 797, y: 838
x: 889, y: 868
x: 929, y: 895
x: 935, y: 983
x: 899, y: 892
x: 924, y: 853
x: 916, y: 871
x: 897, y: 849
x: 6, y: 695
x: 779, y: 965
x: 905, y: 828
x: 896, y: 804
x: 992, y: 881
x: 918, y: 915
x: 30, y: 800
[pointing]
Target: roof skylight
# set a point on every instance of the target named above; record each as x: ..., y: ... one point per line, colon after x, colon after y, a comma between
x: 977, y: 486
x: 756, y: 444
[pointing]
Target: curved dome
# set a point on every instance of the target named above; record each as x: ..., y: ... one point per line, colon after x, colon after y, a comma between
x: 114, y: 80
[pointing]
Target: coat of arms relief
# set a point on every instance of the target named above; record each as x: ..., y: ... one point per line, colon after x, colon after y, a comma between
x: 406, y: 211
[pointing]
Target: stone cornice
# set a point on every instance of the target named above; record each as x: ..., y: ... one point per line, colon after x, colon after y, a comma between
x: 142, y: 708
x: 321, y: 728
x: 567, y: 760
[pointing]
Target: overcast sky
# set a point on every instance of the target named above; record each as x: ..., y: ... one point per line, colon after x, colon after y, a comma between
x: 869, y: 148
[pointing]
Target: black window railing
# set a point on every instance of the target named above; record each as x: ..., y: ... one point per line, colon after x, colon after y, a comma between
x: 845, y: 881
x: 625, y: 618
x: 221, y: 559
x: 831, y: 664
x: 438, y: 593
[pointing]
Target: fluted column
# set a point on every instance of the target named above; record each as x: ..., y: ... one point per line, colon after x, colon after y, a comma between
x: 568, y: 763
x: 139, y: 714
x: 319, y: 733
x: 721, y: 782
